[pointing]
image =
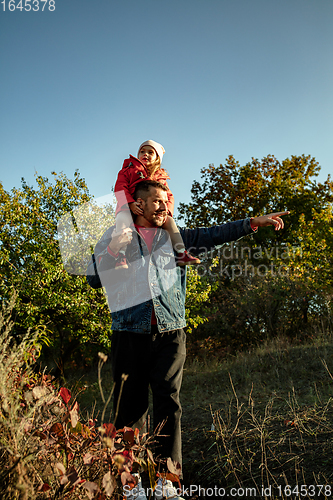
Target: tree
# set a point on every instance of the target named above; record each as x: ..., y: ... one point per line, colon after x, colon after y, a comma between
x: 272, y: 282
x: 63, y: 306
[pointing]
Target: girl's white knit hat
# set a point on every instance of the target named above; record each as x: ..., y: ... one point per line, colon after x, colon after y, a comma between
x: 158, y: 148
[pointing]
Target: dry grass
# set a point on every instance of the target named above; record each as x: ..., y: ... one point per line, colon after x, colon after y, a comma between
x: 23, y: 396
x: 261, y: 419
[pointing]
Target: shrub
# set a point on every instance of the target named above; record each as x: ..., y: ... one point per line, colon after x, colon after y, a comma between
x: 46, y: 450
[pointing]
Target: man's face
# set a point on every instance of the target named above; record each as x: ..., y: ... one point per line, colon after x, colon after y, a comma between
x: 155, y: 207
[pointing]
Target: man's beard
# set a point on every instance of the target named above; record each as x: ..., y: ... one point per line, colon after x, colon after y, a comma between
x: 154, y: 218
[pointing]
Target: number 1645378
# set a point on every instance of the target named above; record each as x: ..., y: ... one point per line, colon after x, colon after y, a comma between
x: 33, y: 5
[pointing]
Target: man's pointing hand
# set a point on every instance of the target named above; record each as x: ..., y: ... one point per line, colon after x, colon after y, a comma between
x: 269, y: 220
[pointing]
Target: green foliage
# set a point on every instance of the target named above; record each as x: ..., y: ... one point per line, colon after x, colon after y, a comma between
x: 198, y: 294
x: 274, y: 282
x: 231, y: 192
x: 61, y: 305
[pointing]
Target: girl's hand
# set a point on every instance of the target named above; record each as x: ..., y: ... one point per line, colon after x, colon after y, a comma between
x: 120, y: 240
x: 135, y: 209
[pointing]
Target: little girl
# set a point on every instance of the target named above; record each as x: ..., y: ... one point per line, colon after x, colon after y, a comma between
x: 146, y: 166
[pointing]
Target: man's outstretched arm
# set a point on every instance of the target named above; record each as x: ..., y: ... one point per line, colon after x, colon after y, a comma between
x: 204, y: 239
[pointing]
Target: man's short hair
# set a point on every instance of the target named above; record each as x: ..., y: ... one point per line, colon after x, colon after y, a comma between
x: 142, y: 188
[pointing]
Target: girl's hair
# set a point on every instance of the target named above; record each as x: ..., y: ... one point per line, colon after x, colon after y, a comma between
x: 156, y: 166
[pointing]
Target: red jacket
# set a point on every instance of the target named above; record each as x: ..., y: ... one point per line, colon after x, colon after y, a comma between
x: 134, y: 171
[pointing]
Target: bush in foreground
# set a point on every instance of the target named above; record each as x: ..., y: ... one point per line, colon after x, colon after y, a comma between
x: 46, y: 450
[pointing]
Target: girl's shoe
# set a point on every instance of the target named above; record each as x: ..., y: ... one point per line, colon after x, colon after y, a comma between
x: 186, y: 259
x: 121, y: 262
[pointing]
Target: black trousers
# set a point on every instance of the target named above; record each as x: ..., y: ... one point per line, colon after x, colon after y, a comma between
x: 156, y: 360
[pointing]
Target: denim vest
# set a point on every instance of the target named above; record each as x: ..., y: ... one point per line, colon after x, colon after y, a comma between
x: 152, y: 278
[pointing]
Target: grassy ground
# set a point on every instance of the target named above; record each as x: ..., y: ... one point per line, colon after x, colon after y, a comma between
x: 272, y: 416
x: 262, y: 419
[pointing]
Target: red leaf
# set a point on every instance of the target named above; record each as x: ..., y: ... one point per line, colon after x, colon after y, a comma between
x: 65, y: 394
x: 110, y: 430
x: 129, y: 435
x: 45, y: 487
x: 173, y: 478
x: 57, y: 429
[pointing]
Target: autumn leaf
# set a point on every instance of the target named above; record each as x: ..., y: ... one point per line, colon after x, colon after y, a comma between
x: 72, y: 475
x: 57, y: 429
x: 65, y: 394
x: 44, y: 487
x: 92, y: 489
x: 61, y: 468
x: 174, y: 467
x: 127, y: 478
x: 74, y: 414
x: 110, y: 430
x: 109, y: 483
x: 129, y: 435
x: 150, y: 456
x: 88, y: 458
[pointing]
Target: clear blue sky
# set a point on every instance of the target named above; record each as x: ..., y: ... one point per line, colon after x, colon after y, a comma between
x: 81, y: 87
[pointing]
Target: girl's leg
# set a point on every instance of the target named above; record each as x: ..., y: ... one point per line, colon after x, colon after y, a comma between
x: 176, y: 237
x: 123, y: 221
x: 183, y: 258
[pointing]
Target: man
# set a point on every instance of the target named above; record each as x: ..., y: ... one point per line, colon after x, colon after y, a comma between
x: 147, y: 304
